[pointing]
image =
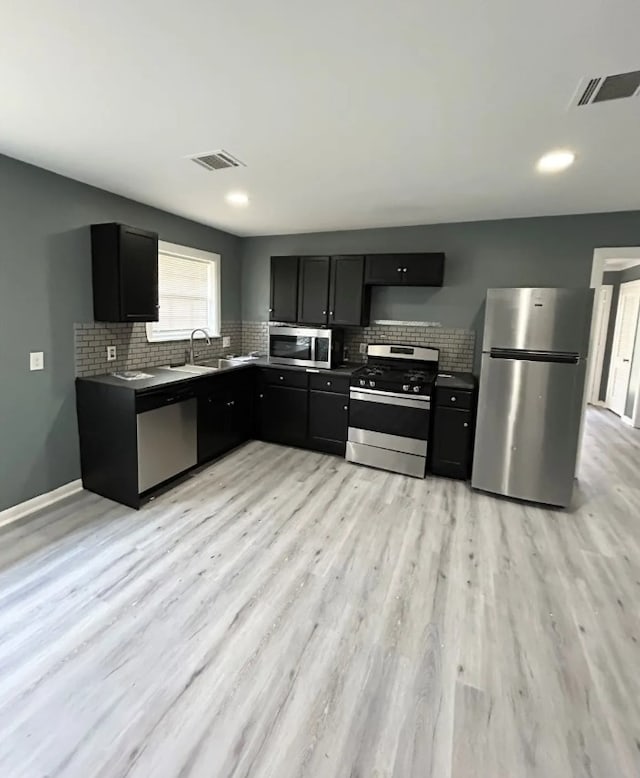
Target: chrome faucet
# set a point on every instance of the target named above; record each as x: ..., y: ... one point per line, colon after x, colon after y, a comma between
x: 208, y: 339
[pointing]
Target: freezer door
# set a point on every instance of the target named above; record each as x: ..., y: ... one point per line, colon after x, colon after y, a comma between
x: 538, y: 319
x: 528, y: 428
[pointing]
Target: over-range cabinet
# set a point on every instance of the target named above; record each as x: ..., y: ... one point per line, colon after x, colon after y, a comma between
x: 336, y: 290
x: 426, y: 269
x: 318, y: 290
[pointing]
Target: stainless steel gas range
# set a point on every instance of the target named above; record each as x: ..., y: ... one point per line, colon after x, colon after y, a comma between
x: 390, y: 406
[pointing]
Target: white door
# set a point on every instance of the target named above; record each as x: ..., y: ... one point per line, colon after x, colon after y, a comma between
x: 623, y: 342
x: 599, y: 340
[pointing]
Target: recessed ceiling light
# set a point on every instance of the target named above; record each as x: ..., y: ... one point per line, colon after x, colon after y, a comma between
x: 237, y: 198
x: 555, y: 161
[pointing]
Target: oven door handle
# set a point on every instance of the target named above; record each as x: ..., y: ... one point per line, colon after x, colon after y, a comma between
x: 384, y: 398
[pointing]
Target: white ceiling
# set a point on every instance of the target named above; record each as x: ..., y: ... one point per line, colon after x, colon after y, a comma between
x: 348, y: 113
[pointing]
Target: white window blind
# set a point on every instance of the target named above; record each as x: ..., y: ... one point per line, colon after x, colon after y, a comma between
x: 188, y: 292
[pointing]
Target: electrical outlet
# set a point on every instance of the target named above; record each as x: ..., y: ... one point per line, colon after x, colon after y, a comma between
x: 226, y: 342
x: 36, y: 360
x: 363, y: 348
x: 111, y: 353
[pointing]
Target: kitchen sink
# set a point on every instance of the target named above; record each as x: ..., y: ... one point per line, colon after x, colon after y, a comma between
x: 218, y: 364
x: 195, y: 369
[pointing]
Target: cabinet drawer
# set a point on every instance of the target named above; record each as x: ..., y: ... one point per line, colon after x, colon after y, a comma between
x: 454, y: 398
x: 325, y: 382
x: 294, y: 378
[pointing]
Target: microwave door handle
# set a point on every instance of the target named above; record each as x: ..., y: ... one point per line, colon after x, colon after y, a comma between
x: 314, y: 340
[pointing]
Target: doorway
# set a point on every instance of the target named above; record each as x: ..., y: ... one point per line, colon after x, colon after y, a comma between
x: 602, y: 314
x: 614, y: 348
x: 623, y: 387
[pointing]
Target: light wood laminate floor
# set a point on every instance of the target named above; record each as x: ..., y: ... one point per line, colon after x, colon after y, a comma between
x: 285, y: 613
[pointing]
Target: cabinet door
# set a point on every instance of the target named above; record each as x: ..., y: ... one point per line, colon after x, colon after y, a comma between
x: 313, y: 291
x: 138, y: 263
x: 214, y: 426
x: 384, y: 270
x: 241, y: 415
x: 451, y: 451
x: 347, y: 292
x: 283, y: 413
x: 328, y: 421
x: 283, y: 305
x: 423, y: 269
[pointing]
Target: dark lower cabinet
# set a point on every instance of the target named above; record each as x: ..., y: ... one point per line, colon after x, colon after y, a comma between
x: 451, y: 454
x: 309, y: 410
x: 225, y: 414
x: 214, y: 426
x: 453, y: 425
x: 328, y: 421
x: 283, y: 412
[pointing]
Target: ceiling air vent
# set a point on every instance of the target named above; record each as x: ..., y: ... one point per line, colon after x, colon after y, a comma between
x: 604, y: 88
x: 217, y: 160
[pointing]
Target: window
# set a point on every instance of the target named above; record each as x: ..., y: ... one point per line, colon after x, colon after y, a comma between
x: 188, y: 293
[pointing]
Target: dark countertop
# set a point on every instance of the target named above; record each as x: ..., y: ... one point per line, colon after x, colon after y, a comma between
x: 346, y: 369
x: 453, y: 380
x: 162, y: 376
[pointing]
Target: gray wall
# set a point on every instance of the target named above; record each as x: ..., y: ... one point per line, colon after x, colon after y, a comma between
x: 615, y: 278
x: 45, y: 286
x: 551, y: 251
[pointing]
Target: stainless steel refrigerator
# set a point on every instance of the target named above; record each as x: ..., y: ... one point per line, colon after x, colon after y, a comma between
x: 530, y: 406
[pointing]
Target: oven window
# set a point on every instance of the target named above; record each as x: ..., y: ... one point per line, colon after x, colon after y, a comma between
x: 390, y: 419
x: 290, y: 347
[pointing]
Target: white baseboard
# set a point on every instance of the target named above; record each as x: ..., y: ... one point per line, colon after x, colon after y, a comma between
x: 37, y: 503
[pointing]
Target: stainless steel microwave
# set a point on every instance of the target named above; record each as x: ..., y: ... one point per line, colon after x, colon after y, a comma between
x: 305, y: 347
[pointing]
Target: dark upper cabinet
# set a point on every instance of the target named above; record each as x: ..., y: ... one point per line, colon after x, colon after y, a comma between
x: 313, y: 290
x: 348, y: 297
x: 331, y: 291
x: 125, y: 273
x: 404, y: 269
x: 283, y: 305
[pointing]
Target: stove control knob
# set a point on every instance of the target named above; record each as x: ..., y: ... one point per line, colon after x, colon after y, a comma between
x: 362, y: 382
x: 372, y: 384
x: 405, y: 387
x: 416, y: 388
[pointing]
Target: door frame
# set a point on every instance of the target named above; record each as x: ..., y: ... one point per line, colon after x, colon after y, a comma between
x: 597, y: 348
x: 628, y: 286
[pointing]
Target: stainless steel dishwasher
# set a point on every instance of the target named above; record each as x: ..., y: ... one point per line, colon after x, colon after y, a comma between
x: 167, y: 428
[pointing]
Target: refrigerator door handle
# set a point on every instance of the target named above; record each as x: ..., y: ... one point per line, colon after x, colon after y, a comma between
x: 535, y: 356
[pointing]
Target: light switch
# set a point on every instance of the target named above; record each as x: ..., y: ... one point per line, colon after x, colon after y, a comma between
x: 36, y: 360
x: 363, y: 348
x: 226, y: 342
x: 111, y: 353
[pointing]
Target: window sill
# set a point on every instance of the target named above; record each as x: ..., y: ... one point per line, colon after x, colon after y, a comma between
x: 178, y: 336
